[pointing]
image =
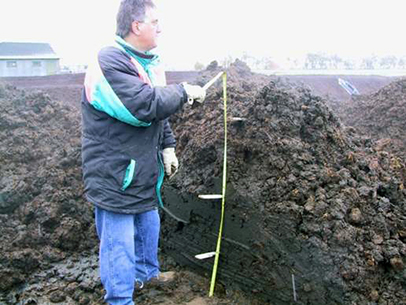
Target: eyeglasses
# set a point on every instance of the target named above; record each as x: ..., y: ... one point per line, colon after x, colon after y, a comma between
x: 154, y: 23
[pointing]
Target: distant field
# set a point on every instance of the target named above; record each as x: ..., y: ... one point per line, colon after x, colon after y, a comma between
x: 68, y: 87
x: 381, y: 72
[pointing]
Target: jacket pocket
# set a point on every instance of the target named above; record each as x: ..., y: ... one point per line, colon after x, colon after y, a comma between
x: 129, y: 175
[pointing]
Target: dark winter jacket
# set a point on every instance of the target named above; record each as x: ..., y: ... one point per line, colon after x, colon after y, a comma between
x: 125, y: 128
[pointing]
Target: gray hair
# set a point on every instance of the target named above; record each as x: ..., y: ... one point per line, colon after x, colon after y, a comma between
x: 130, y: 11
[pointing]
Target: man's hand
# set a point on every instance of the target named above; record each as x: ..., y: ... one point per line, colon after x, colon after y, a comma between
x: 171, y: 163
x: 194, y: 93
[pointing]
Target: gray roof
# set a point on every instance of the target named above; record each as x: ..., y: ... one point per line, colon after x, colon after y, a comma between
x: 26, y: 50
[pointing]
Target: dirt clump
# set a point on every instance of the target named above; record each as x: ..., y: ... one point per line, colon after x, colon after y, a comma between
x: 238, y: 73
x: 307, y: 199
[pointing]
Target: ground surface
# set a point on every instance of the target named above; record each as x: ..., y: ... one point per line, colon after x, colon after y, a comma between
x: 307, y: 196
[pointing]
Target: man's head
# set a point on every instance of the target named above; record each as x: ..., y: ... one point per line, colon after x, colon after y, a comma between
x: 137, y: 23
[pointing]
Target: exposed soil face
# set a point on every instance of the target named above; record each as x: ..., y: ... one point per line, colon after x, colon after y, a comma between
x: 380, y: 115
x: 306, y: 197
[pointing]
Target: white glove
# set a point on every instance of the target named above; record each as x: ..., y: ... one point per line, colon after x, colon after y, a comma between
x: 171, y: 163
x: 194, y: 93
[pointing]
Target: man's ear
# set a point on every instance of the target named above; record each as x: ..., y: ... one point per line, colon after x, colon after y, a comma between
x: 136, y: 27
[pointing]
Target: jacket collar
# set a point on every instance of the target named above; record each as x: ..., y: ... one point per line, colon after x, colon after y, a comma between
x: 146, y: 59
x: 133, y: 52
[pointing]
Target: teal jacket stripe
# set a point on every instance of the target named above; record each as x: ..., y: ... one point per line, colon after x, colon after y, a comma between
x: 104, y: 99
x: 160, y: 181
x: 129, y: 175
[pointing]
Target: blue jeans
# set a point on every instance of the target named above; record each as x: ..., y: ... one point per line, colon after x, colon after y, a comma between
x: 128, y: 252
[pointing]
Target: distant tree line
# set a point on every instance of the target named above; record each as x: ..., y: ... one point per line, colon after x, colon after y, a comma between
x: 320, y: 61
x: 317, y: 61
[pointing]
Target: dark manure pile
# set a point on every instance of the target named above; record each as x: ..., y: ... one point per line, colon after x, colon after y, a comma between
x: 44, y: 219
x: 307, y: 198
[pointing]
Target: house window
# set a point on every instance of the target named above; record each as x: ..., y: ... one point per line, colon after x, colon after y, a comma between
x: 12, y: 64
x: 36, y: 64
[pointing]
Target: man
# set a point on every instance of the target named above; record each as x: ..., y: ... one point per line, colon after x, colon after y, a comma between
x: 126, y: 134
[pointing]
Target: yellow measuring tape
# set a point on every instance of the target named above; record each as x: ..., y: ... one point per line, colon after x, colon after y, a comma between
x: 216, y: 258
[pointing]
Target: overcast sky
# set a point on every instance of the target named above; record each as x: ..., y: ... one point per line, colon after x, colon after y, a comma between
x: 213, y: 29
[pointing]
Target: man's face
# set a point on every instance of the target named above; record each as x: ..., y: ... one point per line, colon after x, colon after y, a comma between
x: 149, y: 30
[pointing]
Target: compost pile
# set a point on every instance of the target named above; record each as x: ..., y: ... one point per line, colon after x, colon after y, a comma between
x: 380, y: 115
x: 43, y: 216
x: 313, y: 211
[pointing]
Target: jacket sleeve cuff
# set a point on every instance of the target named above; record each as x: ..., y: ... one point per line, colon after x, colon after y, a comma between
x: 185, y: 98
x: 169, y: 146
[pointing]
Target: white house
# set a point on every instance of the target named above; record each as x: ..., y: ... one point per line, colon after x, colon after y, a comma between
x: 27, y: 59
